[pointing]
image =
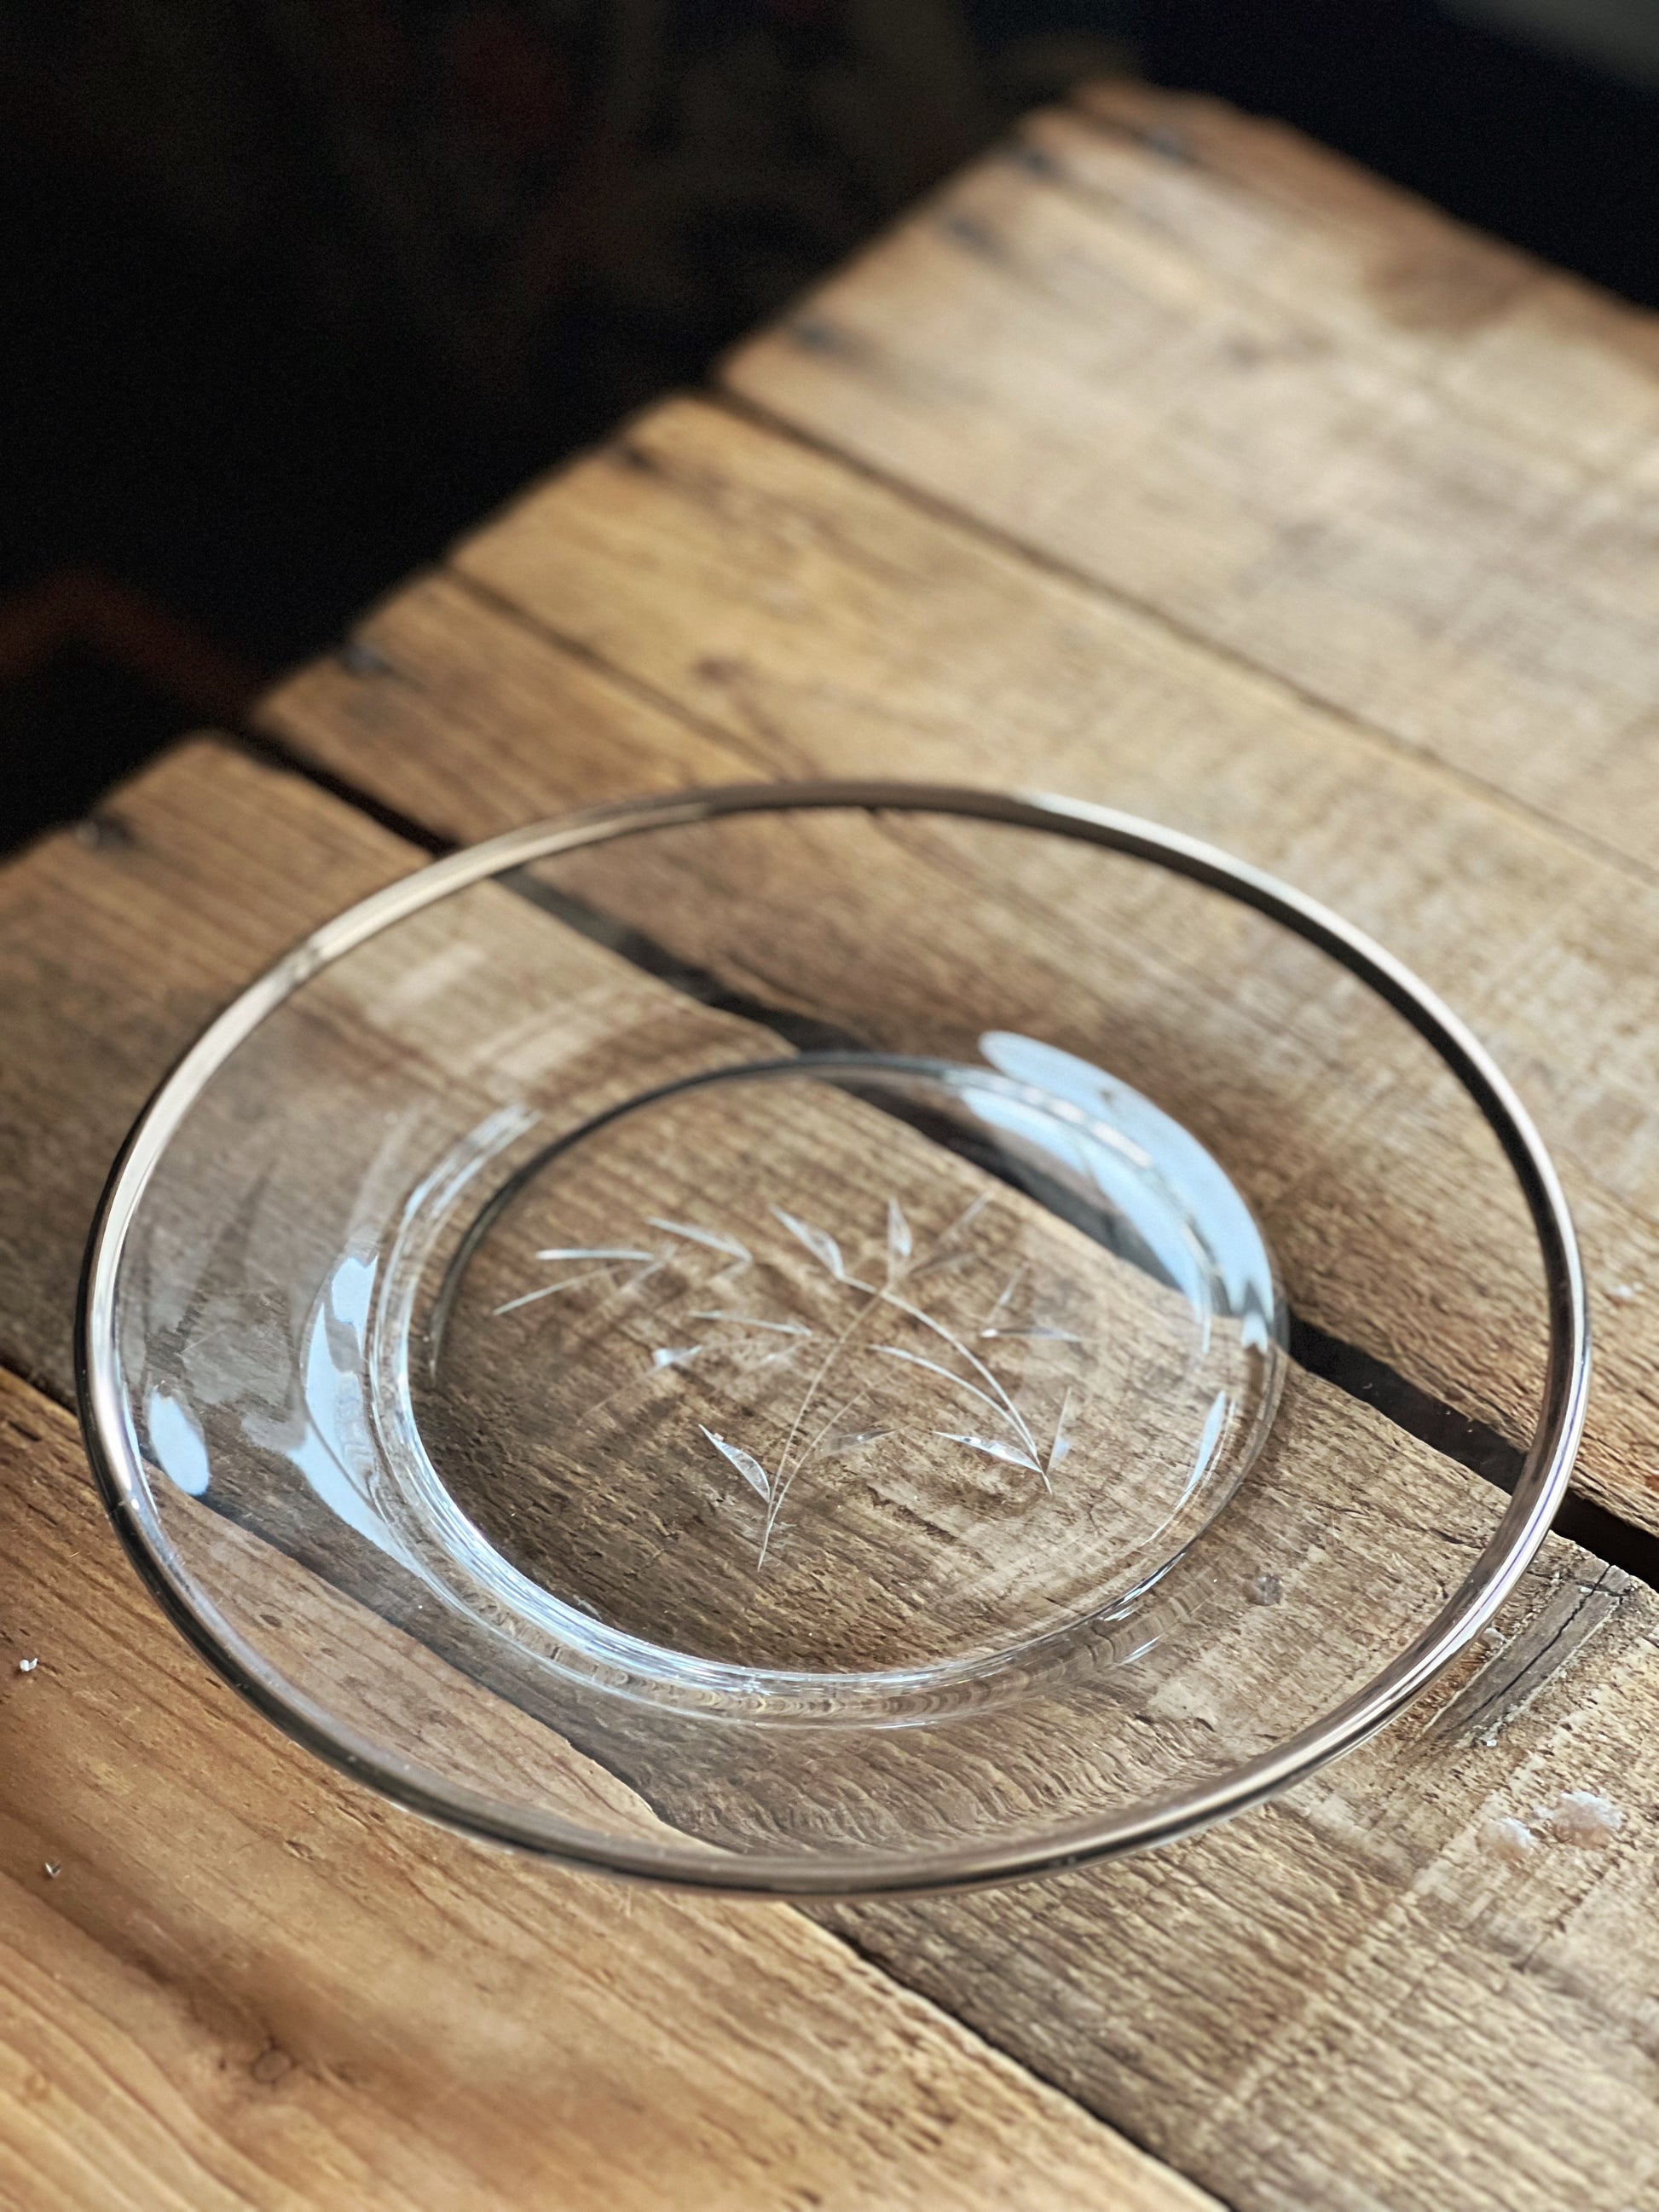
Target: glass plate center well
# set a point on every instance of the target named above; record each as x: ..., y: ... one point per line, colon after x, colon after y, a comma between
x: 845, y: 1366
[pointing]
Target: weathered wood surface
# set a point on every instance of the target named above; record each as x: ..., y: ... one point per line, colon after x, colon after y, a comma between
x: 1353, y: 1998
x: 1365, y: 1996
x: 246, y: 1983
x: 109, y: 967
x: 1296, y: 412
x: 766, y: 608
x: 1240, y: 2002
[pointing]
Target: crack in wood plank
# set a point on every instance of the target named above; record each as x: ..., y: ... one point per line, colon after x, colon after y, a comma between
x: 1553, y: 1641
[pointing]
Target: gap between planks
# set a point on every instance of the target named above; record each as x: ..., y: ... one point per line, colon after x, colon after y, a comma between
x: 1291, y: 243
x: 745, y: 408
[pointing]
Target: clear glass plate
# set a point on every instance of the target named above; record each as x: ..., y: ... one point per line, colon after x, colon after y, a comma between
x: 735, y: 1338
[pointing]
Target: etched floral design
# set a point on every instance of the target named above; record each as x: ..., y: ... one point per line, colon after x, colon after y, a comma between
x: 855, y: 1299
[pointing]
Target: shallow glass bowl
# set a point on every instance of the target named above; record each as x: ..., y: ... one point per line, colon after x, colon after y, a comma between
x: 818, y: 1338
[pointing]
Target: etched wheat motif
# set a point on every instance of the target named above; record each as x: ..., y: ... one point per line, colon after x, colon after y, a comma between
x: 995, y: 1428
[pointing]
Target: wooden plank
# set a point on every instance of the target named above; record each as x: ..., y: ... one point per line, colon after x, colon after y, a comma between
x: 1375, y: 1995
x: 764, y: 605
x: 245, y: 1982
x: 141, y: 892
x: 1296, y: 412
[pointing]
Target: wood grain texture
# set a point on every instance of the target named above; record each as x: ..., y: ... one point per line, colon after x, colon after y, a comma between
x: 759, y: 603
x: 119, y: 940
x: 247, y: 1983
x: 1356, y: 1999
x: 1298, y: 413
x: 1369, y: 1996
x: 1338, y: 2000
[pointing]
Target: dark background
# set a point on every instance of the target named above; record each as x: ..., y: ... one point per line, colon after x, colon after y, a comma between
x: 293, y: 290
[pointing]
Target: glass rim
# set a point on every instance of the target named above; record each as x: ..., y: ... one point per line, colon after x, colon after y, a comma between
x: 1521, y: 1528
